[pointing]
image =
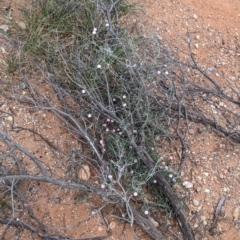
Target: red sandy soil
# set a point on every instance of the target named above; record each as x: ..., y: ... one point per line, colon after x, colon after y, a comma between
x: 213, y: 163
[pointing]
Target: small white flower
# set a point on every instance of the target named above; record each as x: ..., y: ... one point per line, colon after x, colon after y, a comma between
x: 135, y: 160
x: 103, y: 186
x: 114, y: 99
x: 94, y: 29
x: 83, y: 91
x: 93, y: 212
x: 108, y: 120
x: 89, y: 115
x: 110, y: 177
x: 107, y: 129
x: 154, y: 181
x: 134, y: 131
x: 123, y: 215
x: 158, y: 72
x: 94, y: 33
x: 124, y: 96
x: 101, y: 142
x: 113, y: 130
x: 124, y: 104
x: 120, y: 133
x: 135, y: 194
x: 152, y: 148
x: 131, y: 171
x: 170, y: 175
x: 146, y: 212
x: 107, y: 25
x: 166, y: 72
x: 99, y: 66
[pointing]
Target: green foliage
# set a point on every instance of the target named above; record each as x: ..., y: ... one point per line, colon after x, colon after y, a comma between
x: 107, y: 72
x: 4, y: 203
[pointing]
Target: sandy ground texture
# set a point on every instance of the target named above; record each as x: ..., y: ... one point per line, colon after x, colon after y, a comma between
x: 212, y: 167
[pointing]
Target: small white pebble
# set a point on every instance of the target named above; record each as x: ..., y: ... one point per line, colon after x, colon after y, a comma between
x: 187, y: 184
x: 195, y: 202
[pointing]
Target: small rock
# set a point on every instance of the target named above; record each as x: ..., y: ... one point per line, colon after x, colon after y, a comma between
x: 198, y: 37
x: 206, y: 174
x: 221, y: 104
x: 22, y: 85
x: 198, y: 189
x: 187, y: 184
x: 221, y: 176
x: 84, y: 173
x: 207, y: 190
x: 195, y: 202
x: 196, y: 45
x: 191, y: 131
x: 225, y: 189
x: 3, y: 50
x: 153, y: 222
x: 195, y: 16
x: 236, y: 214
x: 100, y: 228
x: 4, y: 28
x: 112, y: 225
x: 10, y: 118
x: 21, y: 24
